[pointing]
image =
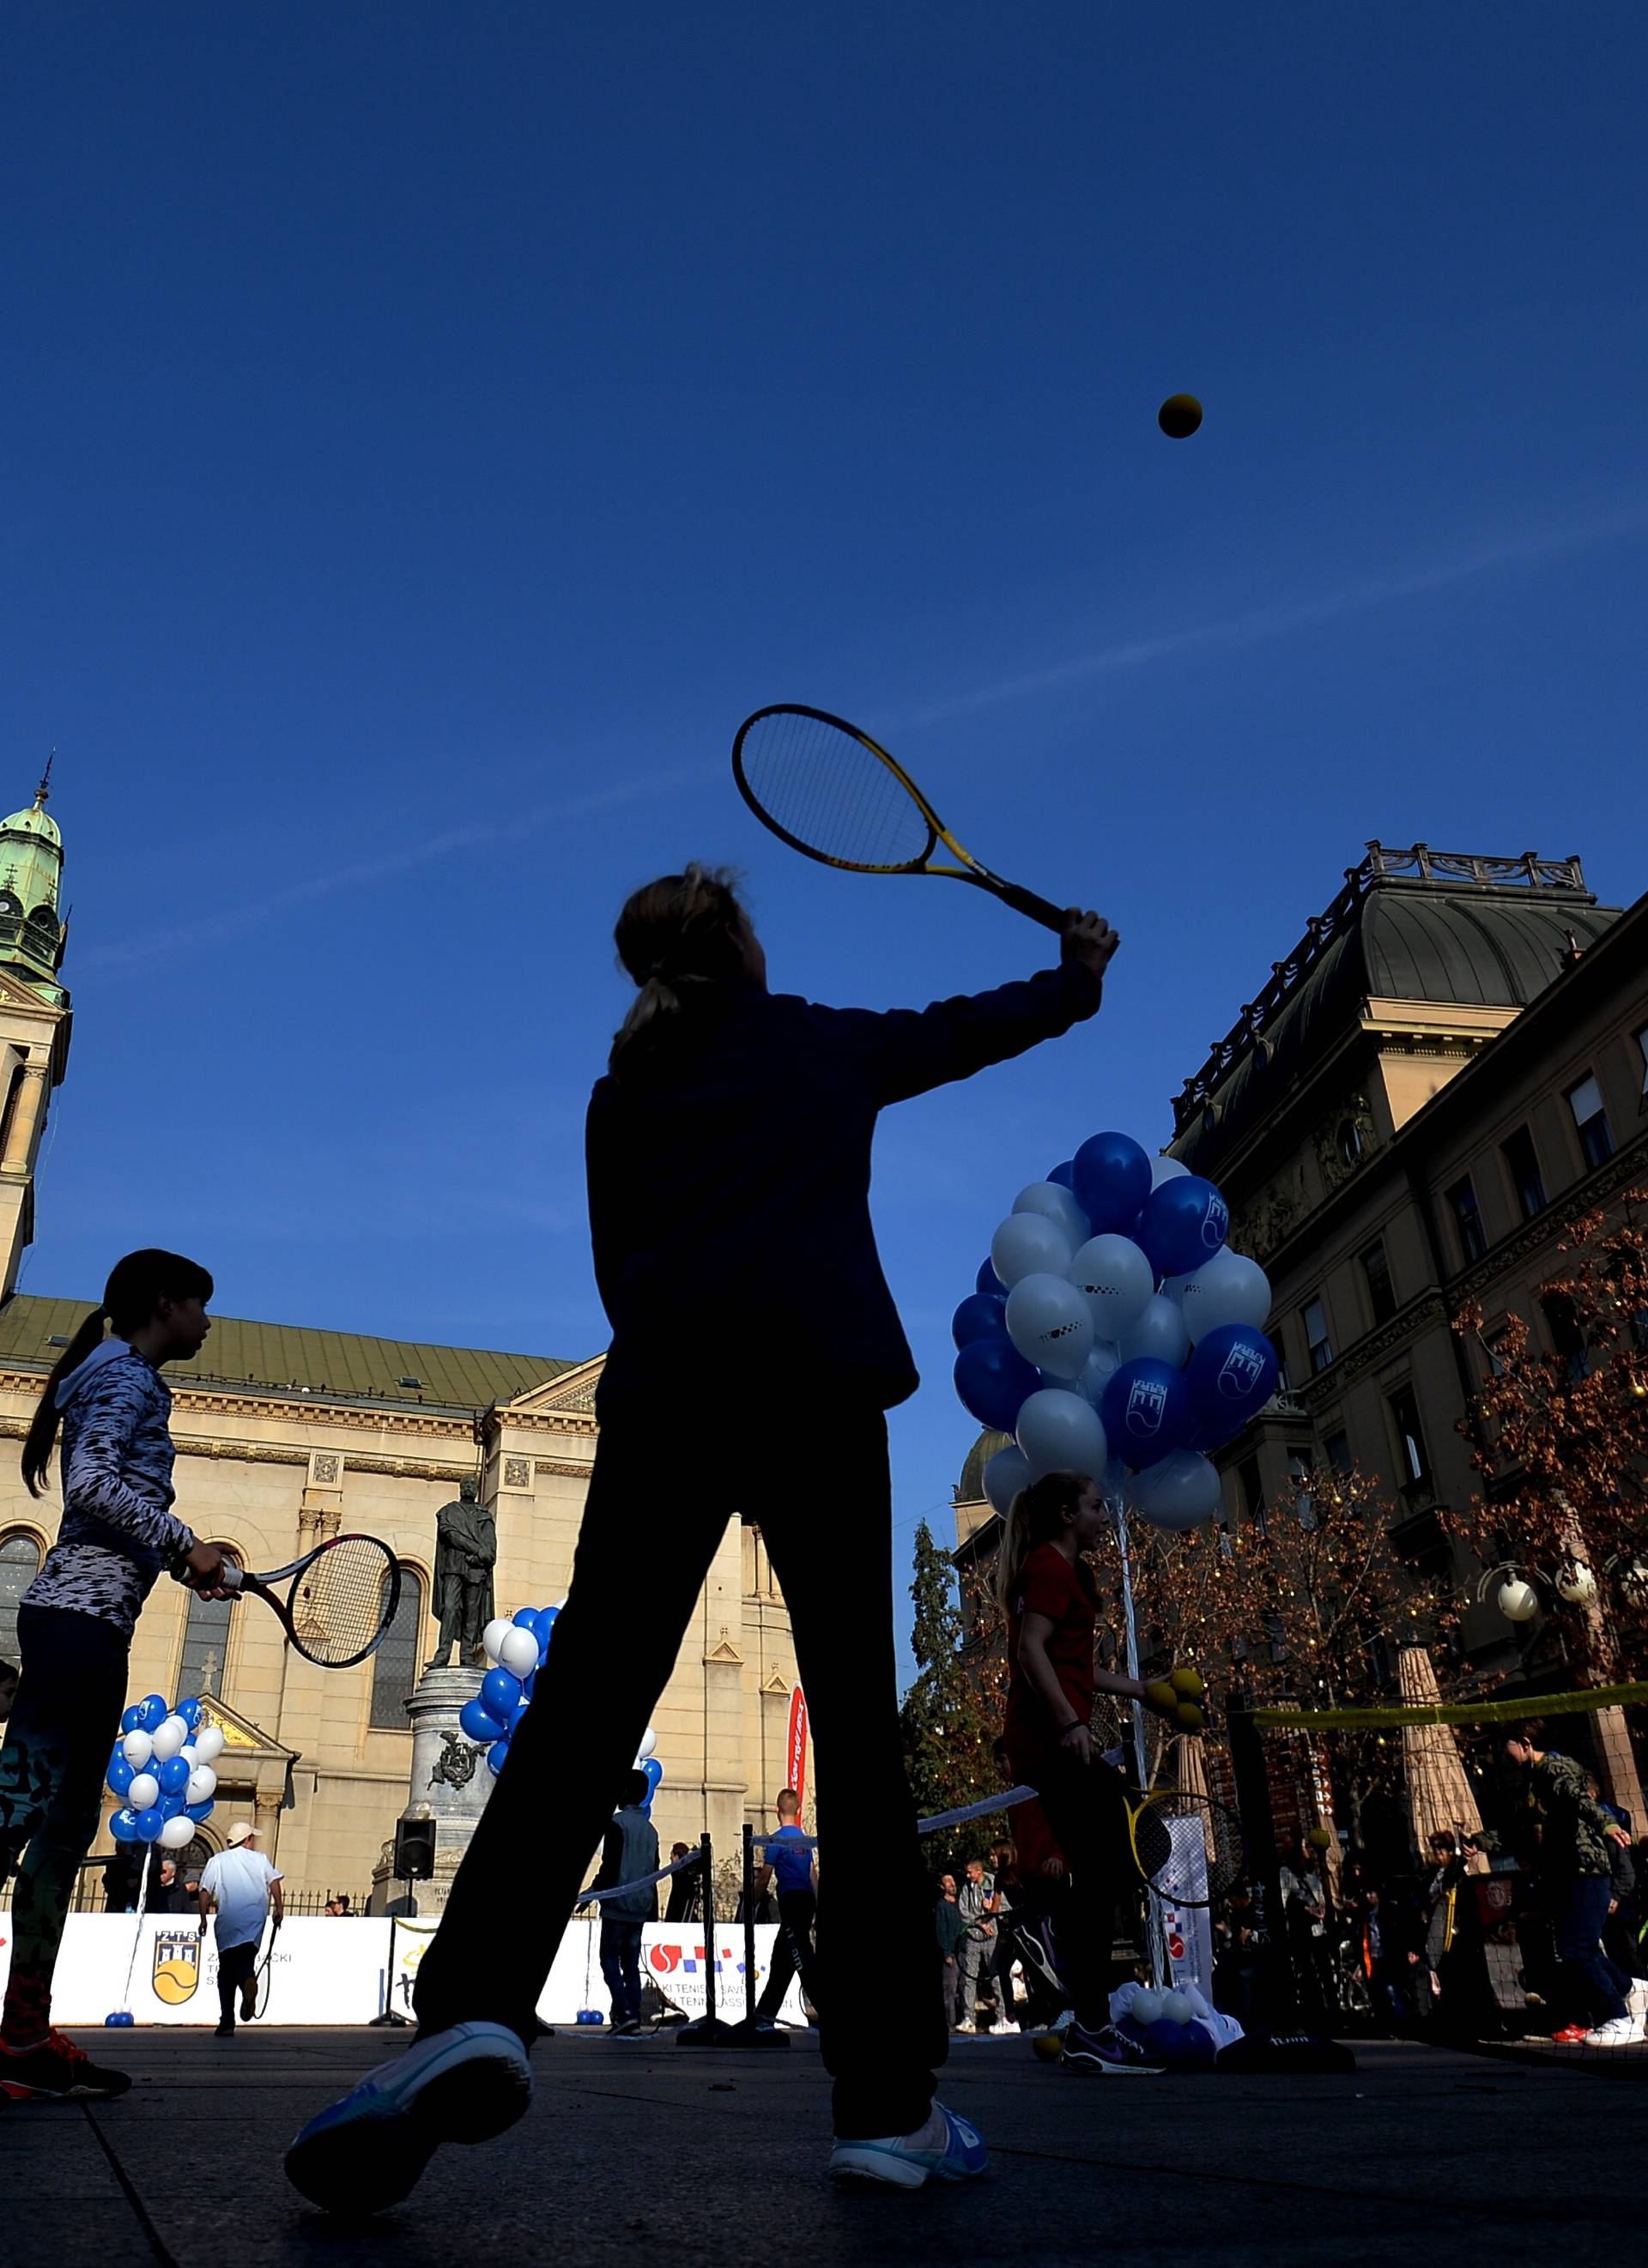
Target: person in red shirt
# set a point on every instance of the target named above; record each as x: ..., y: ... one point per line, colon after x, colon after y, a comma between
x: 1047, y: 1592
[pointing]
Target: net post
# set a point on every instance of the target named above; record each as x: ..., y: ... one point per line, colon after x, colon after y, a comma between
x: 1280, y: 1993
x: 747, y: 2033
x: 707, y: 2031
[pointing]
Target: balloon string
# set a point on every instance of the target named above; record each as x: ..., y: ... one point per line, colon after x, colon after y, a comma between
x: 136, y: 1936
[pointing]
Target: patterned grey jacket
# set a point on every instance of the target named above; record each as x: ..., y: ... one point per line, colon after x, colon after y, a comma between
x: 118, y: 1528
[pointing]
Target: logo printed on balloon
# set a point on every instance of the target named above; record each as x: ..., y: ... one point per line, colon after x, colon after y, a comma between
x: 1217, y: 1223
x: 1241, y: 1373
x: 1147, y: 1400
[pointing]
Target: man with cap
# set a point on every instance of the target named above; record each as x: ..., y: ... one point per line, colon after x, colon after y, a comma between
x: 239, y: 1886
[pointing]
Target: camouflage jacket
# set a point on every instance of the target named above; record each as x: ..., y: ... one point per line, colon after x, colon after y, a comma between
x: 1573, y: 1837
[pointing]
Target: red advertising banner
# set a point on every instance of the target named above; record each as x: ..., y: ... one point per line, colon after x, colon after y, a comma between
x: 796, y: 1752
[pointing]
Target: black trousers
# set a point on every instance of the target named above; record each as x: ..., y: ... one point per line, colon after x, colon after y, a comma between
x: 234, y: 1968
x: 1086, y: 1810
x: 792, y: 1950
x: 650, y: 1530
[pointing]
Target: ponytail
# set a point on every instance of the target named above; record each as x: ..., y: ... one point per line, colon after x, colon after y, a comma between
x: 674, y: 936
x: 1035, y: 1516
x: 136, y: 1287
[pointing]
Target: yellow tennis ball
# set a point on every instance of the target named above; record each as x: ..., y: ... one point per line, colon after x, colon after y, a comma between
x: 1320, y: 1838
x: 1188, y: 1683
x: 1188, y: 1718
x: 1180, y: 416
x: 1160, y: 1694
x: 1049, y: 2046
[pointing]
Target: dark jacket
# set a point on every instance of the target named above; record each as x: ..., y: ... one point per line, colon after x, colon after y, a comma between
x: 1574, y: 1828
x: 629, y: 1852
x: 729, y: 1169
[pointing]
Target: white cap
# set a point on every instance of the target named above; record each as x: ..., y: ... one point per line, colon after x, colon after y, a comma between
x: 243, y: 1831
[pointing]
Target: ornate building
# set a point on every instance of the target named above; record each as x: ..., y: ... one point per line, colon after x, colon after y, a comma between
x: 287, y: 1433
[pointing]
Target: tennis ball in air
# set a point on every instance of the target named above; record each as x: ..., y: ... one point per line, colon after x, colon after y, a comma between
x: 1188, y: 1718
x: 1188, y: 1683
x: 1049, y: 2046
x: 1180, y: 416
x: 1320, y: 1838
x: 1160, y: 1694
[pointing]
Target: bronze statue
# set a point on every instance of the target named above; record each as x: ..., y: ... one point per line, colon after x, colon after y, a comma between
x: 466, y: 1545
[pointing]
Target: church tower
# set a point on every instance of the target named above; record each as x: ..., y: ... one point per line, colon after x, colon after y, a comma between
x: 34, y: 1015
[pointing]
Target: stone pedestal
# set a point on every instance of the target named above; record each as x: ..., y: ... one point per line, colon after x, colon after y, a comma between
x: 450, y: 1780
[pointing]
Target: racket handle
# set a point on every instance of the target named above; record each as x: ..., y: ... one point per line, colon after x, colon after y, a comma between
x: 1037, y: 910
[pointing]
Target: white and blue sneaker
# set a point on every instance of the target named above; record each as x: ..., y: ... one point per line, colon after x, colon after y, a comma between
x: 462, y: 2085
x: 946, y: 2149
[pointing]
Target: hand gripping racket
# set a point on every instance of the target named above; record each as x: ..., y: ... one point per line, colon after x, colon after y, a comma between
x: 834, y: 794
x: 341, y: 1602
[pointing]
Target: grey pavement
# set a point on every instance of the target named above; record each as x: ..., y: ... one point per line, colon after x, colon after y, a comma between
x: 637, y: 2150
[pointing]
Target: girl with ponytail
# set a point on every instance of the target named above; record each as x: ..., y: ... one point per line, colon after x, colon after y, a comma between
x: 75, y: 1624
x: 728, y: 1155
x: 1047, y: 1592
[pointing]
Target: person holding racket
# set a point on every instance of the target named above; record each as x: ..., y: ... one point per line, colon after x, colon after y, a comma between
x: 75, y: 1624
x: 729, y: 1153
x: 1045, y: 1590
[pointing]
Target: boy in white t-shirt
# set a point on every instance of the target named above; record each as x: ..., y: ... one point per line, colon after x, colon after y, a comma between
x: 239, y: 1886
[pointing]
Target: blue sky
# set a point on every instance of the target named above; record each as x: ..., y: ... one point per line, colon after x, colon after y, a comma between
x: 429, y: 430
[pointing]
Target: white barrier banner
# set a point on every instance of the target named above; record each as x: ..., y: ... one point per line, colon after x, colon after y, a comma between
x: 1187, y: 1929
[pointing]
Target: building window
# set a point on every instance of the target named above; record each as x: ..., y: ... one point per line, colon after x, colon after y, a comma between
x: 205, y: 1643
x: 1376, y: 1270
x: 1596, y: 1137
x: 19, y: 1564
x: 1252, y: 1489
x: 1410, y: 1442
x: 1526, y: 1177
x: 1350, y: 1144
x: 394, y: 1666
x: 1468, y: 1220
x: 1316, y: 1337
x: 1642, y: 1050
x: 1494, y: 1348
x: 1336, y: 1449
x: 1562, y: 1321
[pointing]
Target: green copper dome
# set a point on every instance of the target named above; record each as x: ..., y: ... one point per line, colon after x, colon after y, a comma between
x: 30, y: 876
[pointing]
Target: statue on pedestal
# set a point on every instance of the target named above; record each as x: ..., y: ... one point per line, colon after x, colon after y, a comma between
x: 466, y: 1546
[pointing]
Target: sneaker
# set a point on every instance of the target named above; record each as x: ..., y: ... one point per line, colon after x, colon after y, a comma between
x: 464, y: 2084
x: 1618, y: 2032
x: 226, y: 2029
x: 1637, y: 1999
x: 629, y: 2029
x: 1107, y: 2051
x: 1570, y: 2036
x: 946, y: 2149
x: 57, y: 2072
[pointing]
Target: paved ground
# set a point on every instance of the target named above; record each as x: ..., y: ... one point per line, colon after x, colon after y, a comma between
x: 635, y: 2148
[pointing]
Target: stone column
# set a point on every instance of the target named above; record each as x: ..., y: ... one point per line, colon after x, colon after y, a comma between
x: 450, y: 1778
x: 26, y: 1119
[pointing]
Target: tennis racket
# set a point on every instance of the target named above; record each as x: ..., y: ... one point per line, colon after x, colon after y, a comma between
x: 834, y: 794
x: 1180, y: 1866
x: 341, y: 1602
x: 262, y: 1994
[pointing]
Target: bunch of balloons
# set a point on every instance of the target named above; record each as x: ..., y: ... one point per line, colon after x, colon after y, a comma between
x: 1114, y: 1332
x: 517, y: 1649
x: 162, y: 1772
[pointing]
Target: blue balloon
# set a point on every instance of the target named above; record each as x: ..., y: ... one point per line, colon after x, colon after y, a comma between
x: 1146, y: 1411
x: 171, y: 1807
x: 198, y: 1811
x: 1181, y: 2046
x: 1231, y: 1375
x: 1065, y: 1175
x: 987, y: 1280
x: 500, y: 1692
x: 151, y: 1713
x: 993, y: 1381
x: 123, y: 1824
x: 521, y: 1707
x: 173, y: 1775
x: 477, y: 1723
x: 654, y: 1772
x: 121, y: 1774
x: 150, y: 1823
x: 981, y: 1315
x: 1111, y: 1175
x: 525, y: 1619
x: 1183, y: 1225
x: 496, y: 1754
x: 132, y: 1720
x: 190, y: 1712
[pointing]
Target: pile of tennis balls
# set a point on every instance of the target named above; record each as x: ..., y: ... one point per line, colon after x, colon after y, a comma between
x: 1179, y: 1695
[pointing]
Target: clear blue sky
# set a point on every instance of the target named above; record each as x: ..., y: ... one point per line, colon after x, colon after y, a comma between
x: 430, y: 429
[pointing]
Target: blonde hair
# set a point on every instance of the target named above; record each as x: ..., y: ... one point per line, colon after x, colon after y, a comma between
x: 672, y: 936
x: 1035, y: 1516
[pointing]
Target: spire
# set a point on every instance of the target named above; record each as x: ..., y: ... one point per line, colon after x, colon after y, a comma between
x: 30, y: 877
x: 42, y: 793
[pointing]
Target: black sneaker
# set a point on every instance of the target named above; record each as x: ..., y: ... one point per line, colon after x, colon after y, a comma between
x: 226, y: 2029
x: 57, y: 2072
x: 630, y: 2029
x: 1107, y: 2051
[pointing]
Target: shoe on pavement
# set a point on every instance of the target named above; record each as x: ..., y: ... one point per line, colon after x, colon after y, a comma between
x: 1618, y: 2032
x: 1107, y: 2051
x: 1637, y: 1998
x: 464, y: 2084
x: 56, y: 2071
x: 946, y: 2149
x: 1570, y: 2037
x: 629, y: 2029
x: 224, y: 2030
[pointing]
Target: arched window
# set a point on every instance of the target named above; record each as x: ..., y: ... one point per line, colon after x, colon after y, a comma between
x: 19, y: 1564
x: 205, y: 1643
x: 394, y: 1666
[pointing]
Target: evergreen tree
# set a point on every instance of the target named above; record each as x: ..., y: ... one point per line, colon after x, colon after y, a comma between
x: 948, y: 1730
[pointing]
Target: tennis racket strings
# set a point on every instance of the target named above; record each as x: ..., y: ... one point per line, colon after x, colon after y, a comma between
x: 829, y: 794
x: 341, y: 1604
x: 1182, y: 1865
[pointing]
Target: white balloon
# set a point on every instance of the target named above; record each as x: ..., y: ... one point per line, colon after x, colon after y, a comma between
x: 1097, y: 1371
x: 1050, y: 1323
x: 1147, y: 2006
x: 144, y: 1793
x: 1160, y: 1332
x: 649, y: 1742
x: 518, y: 1651
x: 1165, y: 1169
x: 207, y: 1744
x: 1007, y: 1472
x: 1518, y: 1601
x: 177, y: 1834
x: 1059, y: 1432
x: 137, y: 1748
x: 1230, y: 1288
x: 203, y: 1785
x: 1116, y: 1280
x: 1178, y: 2007
x: 494, y: 1636
x: 189, y: 1753
x: 1178, y: 1493
x: 1054, y: 1202
x: 1029, y: 1244
x: 169, y: 1736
